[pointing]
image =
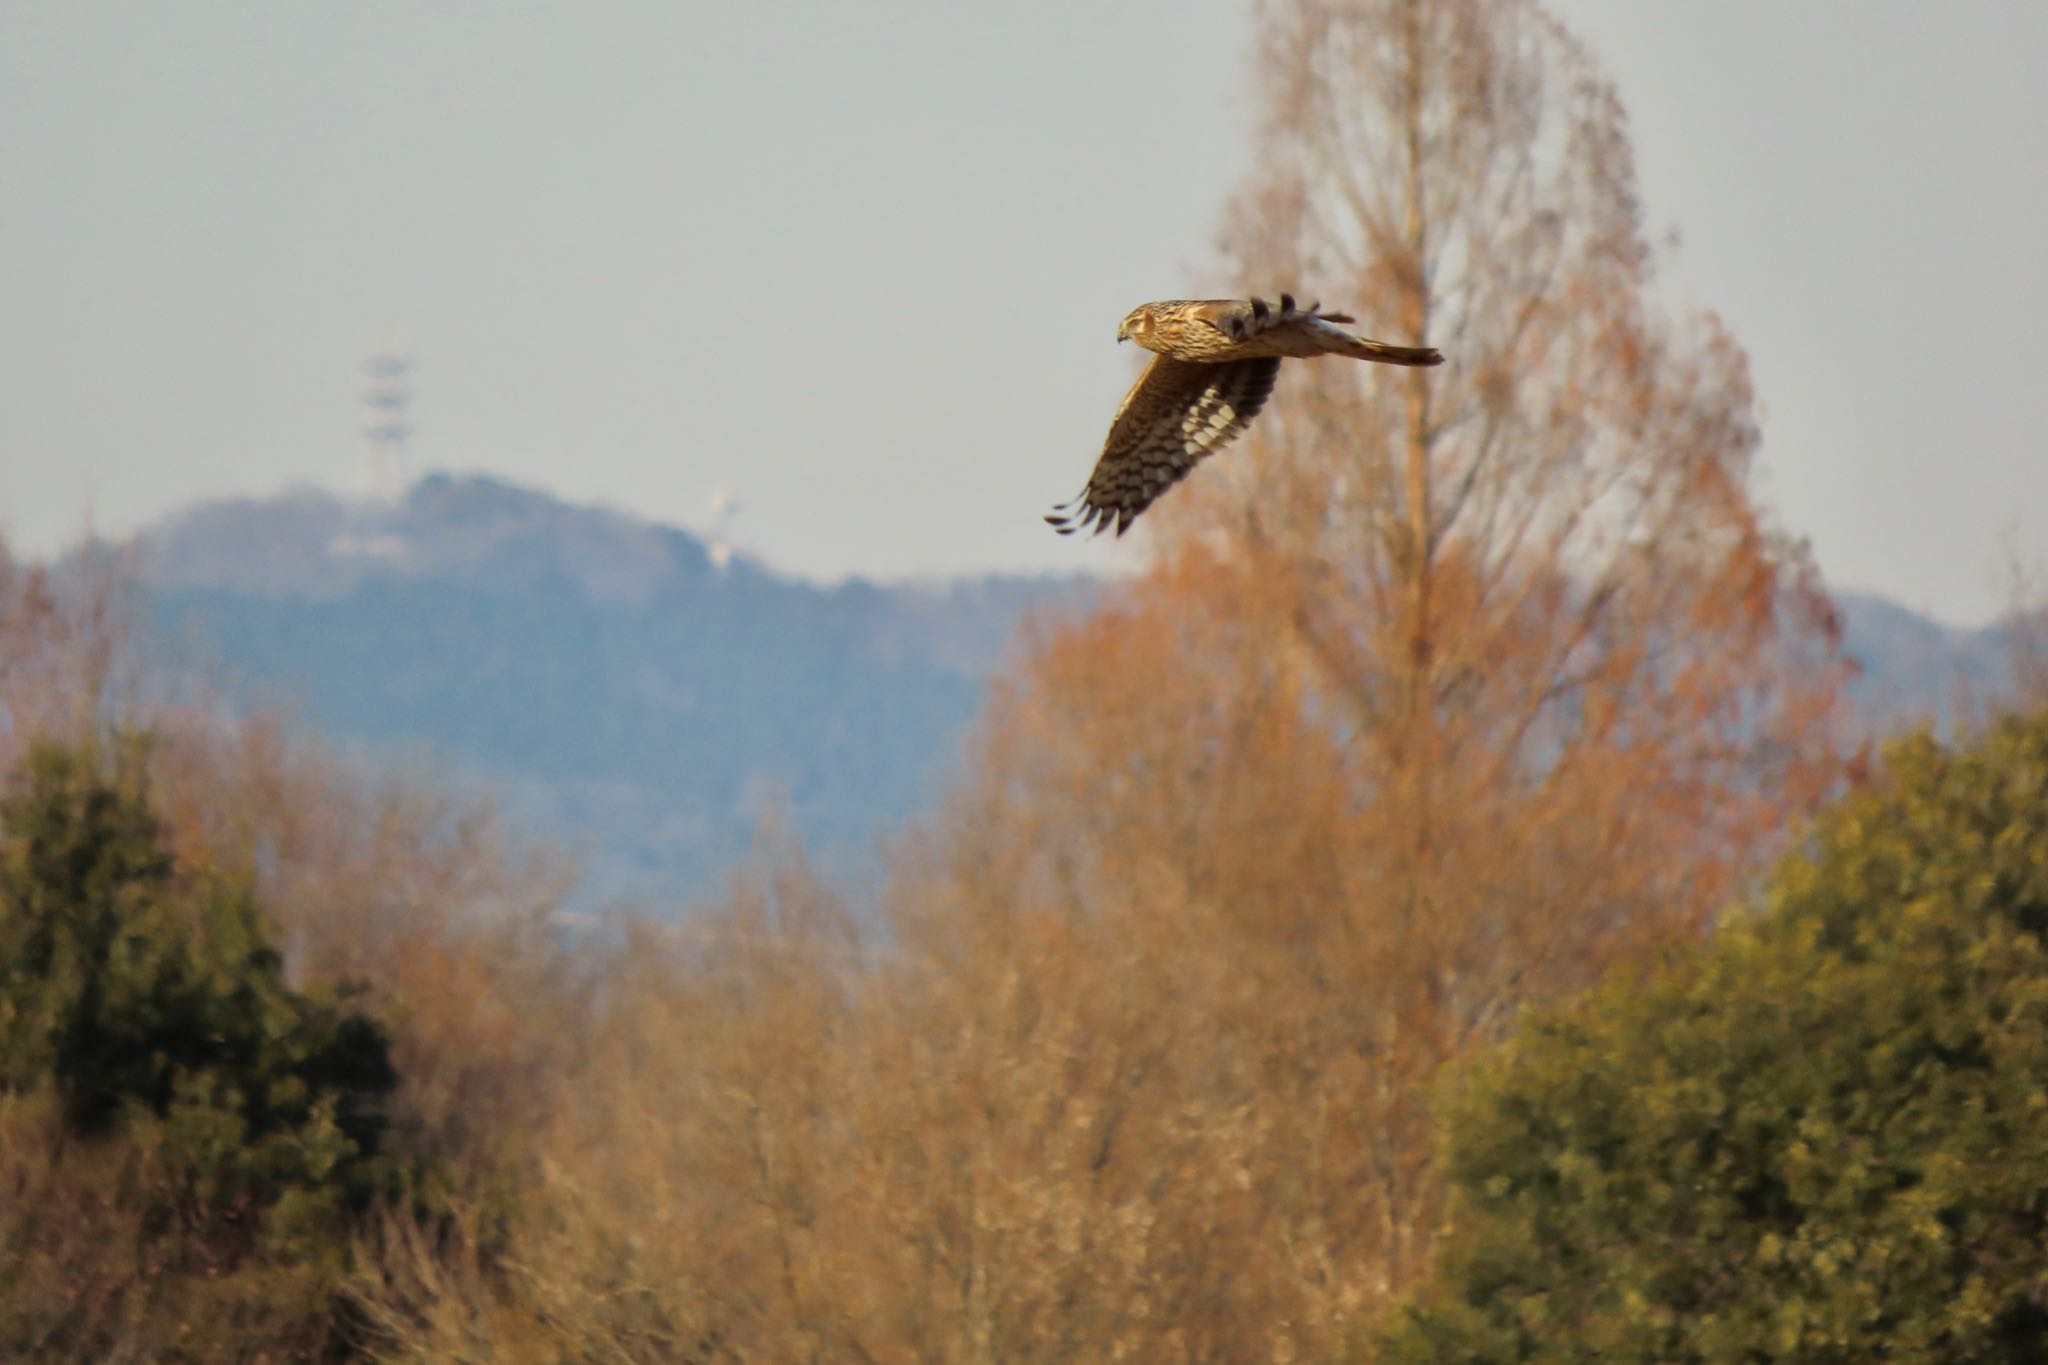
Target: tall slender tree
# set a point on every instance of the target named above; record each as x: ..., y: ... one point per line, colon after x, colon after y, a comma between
x: 1546, y: 554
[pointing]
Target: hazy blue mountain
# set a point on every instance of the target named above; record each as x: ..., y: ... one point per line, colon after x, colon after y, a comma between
x: 1916, y: 668
x: 629, y: 696
x: 622, y: 691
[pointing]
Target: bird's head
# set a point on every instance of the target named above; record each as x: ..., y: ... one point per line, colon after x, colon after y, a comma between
x: 1135, y: 325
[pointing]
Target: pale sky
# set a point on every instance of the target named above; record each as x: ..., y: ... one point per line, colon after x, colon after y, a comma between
x: 861, y: 264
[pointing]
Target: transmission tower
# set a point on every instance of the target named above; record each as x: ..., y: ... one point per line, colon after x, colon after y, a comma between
x: 387, y: 424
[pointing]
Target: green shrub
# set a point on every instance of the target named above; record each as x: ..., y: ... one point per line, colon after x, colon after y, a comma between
x: 150, y: 1042
x: 1822, y: 1137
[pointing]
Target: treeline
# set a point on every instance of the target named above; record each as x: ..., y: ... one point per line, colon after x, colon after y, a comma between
x: 1154, y: 1132
x: 1344, y: 945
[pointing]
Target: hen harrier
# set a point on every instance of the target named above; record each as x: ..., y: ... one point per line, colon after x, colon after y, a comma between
x: 1216, y: 363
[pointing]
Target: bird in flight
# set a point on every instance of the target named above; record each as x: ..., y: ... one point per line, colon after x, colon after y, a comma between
x: 1215, y: 366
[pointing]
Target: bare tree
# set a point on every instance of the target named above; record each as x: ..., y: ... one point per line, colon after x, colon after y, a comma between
x: 1544, y: 559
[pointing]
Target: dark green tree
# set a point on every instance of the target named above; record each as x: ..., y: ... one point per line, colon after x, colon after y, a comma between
x: 1821, y: 1137
x: 146, y: 999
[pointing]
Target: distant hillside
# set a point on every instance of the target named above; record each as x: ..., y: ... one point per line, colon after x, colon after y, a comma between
x: 1915, y: 668
x: 623, y: 693
x: 631, y: 699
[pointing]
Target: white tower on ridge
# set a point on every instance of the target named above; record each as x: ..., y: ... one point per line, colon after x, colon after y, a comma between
x: 724, y: 507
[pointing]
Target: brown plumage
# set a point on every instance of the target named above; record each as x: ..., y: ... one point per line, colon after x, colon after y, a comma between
x: 1217, y: 359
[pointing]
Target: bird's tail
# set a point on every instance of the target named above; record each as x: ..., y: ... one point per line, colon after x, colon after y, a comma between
x: 1334, y: 323
x: 1393, y: 355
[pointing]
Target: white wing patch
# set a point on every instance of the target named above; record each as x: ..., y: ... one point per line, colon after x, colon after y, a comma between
x: 1208, y: 421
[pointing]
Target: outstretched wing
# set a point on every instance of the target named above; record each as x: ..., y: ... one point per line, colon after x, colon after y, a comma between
x: 1175, y: 414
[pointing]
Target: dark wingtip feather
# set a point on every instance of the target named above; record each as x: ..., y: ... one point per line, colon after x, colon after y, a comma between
x: 1081, y: 515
